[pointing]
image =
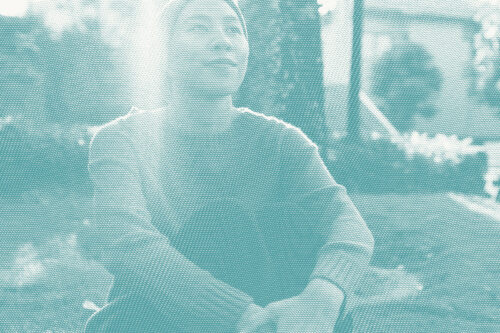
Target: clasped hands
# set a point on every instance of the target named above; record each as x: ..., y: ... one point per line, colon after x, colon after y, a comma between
x: 314, y: 310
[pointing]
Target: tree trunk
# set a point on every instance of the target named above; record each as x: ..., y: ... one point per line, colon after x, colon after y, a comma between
x: 285, y: 70
x: 301, y: 73
x: 260, y: 89
x: 353, y: 117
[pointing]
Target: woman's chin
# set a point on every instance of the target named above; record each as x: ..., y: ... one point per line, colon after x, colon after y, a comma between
x: 218, y: 89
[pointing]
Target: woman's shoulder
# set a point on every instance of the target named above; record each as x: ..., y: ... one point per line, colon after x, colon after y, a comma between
x: 284, y: 130
x: 268, y: 121
x: 135, y: 122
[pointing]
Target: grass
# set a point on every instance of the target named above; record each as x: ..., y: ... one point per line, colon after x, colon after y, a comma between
x: 451, y: 251
x: 44, y: 279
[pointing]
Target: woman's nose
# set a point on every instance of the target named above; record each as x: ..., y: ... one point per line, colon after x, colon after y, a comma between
x: 221, y: 40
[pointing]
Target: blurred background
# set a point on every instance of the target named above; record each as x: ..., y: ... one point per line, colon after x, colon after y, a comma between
x: 402, y: 97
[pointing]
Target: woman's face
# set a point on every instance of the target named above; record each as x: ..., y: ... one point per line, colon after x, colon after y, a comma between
x: 208, y: 50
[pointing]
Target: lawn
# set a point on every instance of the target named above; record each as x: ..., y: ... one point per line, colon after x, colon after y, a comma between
x: 451, y: 252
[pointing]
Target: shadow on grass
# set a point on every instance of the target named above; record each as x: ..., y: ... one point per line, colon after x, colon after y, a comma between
x: 435, y: 268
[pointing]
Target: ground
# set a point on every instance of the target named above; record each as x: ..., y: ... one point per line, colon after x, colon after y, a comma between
x: 450, y: 249
x: 445, y: 255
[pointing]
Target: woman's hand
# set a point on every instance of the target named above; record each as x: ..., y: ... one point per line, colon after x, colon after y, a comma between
x: 315, y: 310
x: 255, y: 320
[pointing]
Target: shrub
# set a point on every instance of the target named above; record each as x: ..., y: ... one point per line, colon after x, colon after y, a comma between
x: 405, y: 78
x: 37, y: 154
x: 381, y: 166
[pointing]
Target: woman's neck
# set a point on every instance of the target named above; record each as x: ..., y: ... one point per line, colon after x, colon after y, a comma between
x: 200, y: 114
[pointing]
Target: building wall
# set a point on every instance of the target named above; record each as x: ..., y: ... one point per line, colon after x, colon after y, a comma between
x: 447, y: 40
x: 459, y: 112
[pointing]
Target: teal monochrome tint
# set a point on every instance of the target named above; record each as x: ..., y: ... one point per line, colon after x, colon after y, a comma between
x: 249, y: 166
x: 257, y: 161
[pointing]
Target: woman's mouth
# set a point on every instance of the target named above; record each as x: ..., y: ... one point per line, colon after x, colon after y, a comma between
x: 223, y: 62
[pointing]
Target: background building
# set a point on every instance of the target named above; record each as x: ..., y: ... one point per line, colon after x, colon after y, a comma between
x: 446, y: 30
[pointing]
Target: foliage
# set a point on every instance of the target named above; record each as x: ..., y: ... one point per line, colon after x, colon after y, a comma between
x: 301, y: 72
x: 440, y: 148
x: 487, y: 52
x: 72, y: 79
x: 285, y: 71
x: 405, y: 79
x: 264, y: 59
x: 84, y: 75
x: 22, y: 80
x: 85, y: 84
x: 42, y: 154
x: 382, y: 166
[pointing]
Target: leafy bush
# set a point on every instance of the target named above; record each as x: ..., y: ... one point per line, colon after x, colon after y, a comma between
x: 46, y: 154
x: 405, y: 78
x: 74, y: 78
x: 381, y: 166
x: 37, y: 154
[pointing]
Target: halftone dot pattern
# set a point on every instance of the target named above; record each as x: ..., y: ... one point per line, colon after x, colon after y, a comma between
x: 146, y: 226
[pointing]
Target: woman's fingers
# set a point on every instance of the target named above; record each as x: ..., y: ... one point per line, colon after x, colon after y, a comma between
x: 255, y: 319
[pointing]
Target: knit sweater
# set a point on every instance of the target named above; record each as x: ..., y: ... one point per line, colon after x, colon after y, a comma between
x: 148, y: 177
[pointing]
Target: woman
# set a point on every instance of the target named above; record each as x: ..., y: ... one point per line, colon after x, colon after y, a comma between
x: 214, y: 218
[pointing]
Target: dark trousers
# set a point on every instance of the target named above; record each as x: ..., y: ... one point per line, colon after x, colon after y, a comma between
x: 268, y: 253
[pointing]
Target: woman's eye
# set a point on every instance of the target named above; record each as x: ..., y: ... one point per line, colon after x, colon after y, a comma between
x: 199, y: 27
x: 234, y: 29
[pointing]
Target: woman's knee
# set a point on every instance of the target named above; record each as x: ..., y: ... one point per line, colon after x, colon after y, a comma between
x: 222, y: 224
x: 222, y: 211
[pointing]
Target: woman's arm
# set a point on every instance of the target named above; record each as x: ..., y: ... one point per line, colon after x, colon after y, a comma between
x: 123, y: 238
x: 347, y: 241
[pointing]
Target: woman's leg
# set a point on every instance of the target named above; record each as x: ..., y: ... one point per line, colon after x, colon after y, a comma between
x: 223, y: 237
x: 293, y: 241
x: 129, y: 313
x: 290, y: 239
x: 268, y: 253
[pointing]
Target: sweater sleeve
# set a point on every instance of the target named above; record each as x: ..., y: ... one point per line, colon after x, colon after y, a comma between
x: 129, y: 246
x: 347, y: 242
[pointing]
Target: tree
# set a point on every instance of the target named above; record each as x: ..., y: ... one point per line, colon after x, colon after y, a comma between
x: 487, y: 53
x: 301, y: 72
x: 405, y: 79
x: 22, y: 79
x: 85, y: 83
x: 353, y: 117
x: 72, y: 77
x: 285, y: 73
x: 260, y: 89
